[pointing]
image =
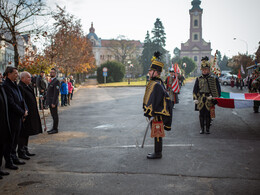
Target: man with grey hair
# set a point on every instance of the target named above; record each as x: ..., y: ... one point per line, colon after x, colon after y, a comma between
x: 17, y: 111
x: 31, y: 123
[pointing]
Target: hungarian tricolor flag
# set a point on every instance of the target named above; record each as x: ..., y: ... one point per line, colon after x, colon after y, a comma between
x: 238, y: 100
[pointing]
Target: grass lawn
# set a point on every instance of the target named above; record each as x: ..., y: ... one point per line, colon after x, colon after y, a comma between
x: 124, y: 84
x: 133, y: 83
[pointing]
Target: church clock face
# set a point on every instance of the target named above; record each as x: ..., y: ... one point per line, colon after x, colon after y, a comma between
x: 196, y: 13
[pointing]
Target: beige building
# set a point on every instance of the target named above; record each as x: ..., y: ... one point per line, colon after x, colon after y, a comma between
x: 105, y: 50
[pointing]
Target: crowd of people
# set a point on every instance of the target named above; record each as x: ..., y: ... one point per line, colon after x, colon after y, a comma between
x: 19, y: 116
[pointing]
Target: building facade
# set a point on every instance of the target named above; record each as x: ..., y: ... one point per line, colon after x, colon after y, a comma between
x: 25, y: 48
x: 102, y: 48
x: 196, y: 47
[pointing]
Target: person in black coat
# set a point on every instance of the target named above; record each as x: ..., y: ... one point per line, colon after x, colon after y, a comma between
x: 5, y: 132
x: 42, y: 87
x: 52, y: 99
x: 17, y: 110
x: 32, y: 123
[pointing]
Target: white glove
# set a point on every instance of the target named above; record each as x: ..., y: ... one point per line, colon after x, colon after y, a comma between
x: 196, y: 101
x: 209, y: 98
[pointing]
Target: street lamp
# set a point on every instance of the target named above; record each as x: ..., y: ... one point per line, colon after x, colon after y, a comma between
x: 244, y: 42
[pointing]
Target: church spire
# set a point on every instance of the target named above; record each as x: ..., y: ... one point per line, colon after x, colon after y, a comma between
x: 91, y: 30
x: 195, y: 5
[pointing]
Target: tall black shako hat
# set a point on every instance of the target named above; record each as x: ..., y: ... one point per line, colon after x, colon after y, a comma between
x: 156, y: 63
x: 205, y: 62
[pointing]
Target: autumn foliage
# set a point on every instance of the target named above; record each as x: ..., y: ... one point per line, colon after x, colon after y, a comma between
x: 35, y: 64
x: 69, y: 50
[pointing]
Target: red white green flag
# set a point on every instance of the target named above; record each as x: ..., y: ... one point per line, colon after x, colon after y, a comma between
x: 238, y: 100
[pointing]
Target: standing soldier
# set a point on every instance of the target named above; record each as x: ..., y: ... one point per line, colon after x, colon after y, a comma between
x: 254, y: 87
x: 205, y: 89
x: 157, y: 104
x: 52, y: 99
x: 172, y: 86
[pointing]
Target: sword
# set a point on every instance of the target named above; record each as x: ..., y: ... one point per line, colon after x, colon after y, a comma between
x: 149, y: 123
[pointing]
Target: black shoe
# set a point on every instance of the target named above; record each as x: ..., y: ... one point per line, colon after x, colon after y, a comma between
x: 154, y: 156
x: 201, y: 132
x: 53, y: 131
x: 18, y: 162
x: 29, y: 154
x: 2, y: 173
x: 23, y: 156
x: 207, y: 131
x: 1, y: 177
x: 11, y: 166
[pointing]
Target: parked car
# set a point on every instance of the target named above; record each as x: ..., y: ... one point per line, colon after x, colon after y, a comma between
x: 226, y: 80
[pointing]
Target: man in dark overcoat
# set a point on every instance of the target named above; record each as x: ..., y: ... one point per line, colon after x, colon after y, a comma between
x: 17, y: 110
x: 5, y: 132
x: 32, y: 123
x: 52, y: 99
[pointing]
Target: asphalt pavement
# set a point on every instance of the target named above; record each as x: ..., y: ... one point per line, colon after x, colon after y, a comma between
x: 97, y: 150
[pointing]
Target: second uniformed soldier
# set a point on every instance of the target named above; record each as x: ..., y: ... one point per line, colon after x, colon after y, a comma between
x: 157, y: 106
x: 205, y: 89
x: 52, y: 100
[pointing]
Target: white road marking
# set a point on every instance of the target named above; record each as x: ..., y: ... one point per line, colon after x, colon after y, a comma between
x: 135, y: 146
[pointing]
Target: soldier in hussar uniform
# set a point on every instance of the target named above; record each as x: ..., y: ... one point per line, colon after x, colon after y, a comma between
x: 157, y: 106
x: 254, y: 87
x: 206, y: 88
x: 169, y: 81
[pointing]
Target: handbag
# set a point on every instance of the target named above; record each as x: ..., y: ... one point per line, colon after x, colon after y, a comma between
x: 157, y: 129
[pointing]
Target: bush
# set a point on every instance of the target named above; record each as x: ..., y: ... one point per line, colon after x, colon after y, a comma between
x: 115, y: 73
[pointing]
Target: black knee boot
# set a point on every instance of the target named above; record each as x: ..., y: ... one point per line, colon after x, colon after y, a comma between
x: 157, y: 149
x: 202, y: 125
x: 208, y: 121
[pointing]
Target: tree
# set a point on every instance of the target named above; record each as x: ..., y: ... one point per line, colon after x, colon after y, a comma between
x: 147, y: 53
x: 35, y: 65
x: 123, y: 49
x: 17, y: 18
x: 115, y: 73
x: 70, y: 50
x: 176, y: 52
x: 158, y: 38
x: 185, y: 63
x: 238, y: 60
x: 223, y: 63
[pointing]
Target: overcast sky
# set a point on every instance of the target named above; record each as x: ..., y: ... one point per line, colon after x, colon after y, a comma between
x: 222, y: 20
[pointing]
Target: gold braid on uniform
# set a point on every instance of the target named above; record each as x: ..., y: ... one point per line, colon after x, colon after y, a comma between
x: 212, y: 86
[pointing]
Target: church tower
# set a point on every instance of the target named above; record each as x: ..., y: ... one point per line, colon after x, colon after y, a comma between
x: 196, y: 48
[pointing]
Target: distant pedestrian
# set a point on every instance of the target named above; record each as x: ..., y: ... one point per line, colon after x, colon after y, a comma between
x: 232, y: 81
x: 52, y: 100
x: 64, y: 92
x: 42, y: 85
x: 73, y: 84
x: 34, y: 84
x: 70, y: 89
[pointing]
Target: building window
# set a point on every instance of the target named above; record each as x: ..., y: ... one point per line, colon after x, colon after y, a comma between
x: 195, y: 58
x: 195, y: 22
x: 195, y: 37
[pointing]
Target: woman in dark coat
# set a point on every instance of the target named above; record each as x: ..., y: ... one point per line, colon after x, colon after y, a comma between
x: 5, y: 132
x: 32, y: 123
